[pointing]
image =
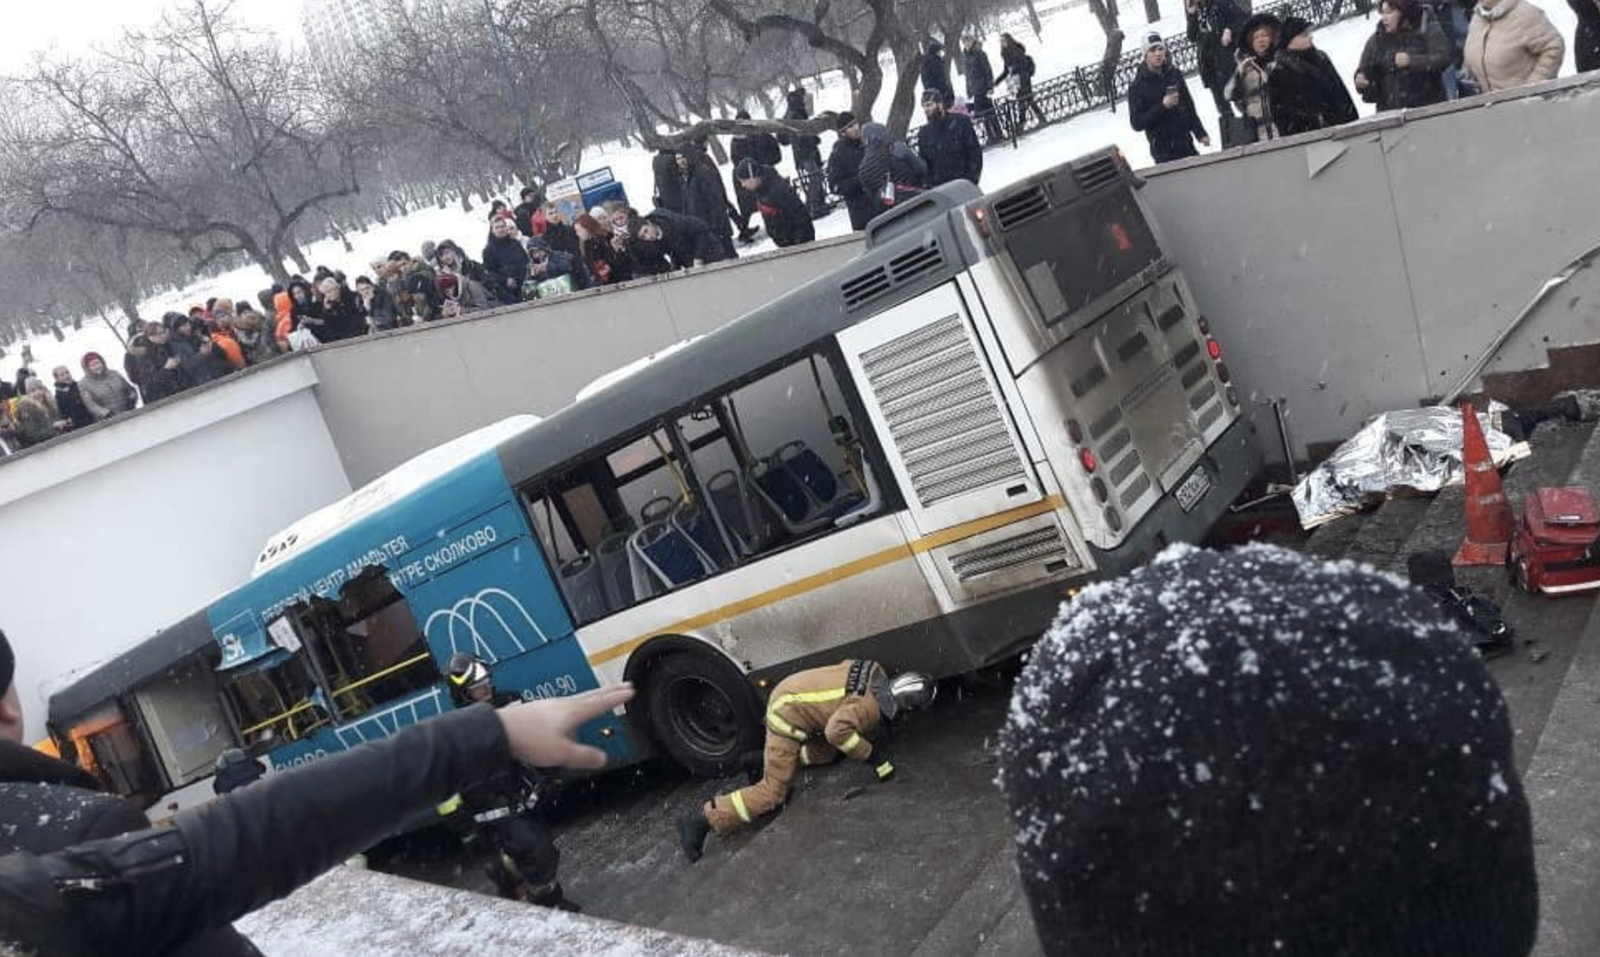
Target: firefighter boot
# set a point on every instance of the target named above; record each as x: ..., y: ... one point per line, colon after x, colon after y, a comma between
x: 692, y: 832
x: 551, y: 896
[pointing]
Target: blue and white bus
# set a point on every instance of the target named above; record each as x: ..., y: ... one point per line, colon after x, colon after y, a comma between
x: 913, y: 458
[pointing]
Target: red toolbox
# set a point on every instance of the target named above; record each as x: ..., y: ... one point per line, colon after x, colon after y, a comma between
x: 1557, y: 548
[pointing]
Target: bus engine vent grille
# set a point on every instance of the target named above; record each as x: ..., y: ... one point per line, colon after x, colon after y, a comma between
x: 942, y: 412
x: 901, y: 270
x: 1097, y: 175
x: 1013, y: 211
x: 1038, y: 545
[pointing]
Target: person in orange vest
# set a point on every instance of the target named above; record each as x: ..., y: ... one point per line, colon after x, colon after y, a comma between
x: 813, y: 717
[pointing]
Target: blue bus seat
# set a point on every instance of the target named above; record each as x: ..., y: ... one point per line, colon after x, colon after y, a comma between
x: 657, y: 509
x: 826, y: 491
x: 669, y: 554
x: 786, y: 496
x: 747, y: 519
x: 581, y: 581
x: 616, y: 577
x: 701, y: 527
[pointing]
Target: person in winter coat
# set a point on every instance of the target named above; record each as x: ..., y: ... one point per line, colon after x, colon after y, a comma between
x: 980, y: 85
x: 844, y: 168
x: 782, y: 209
x: 813, y: 718
x: 807, y: 154
x: 506, y: 262
x: 1315, y: 748
x: 761, y: 149
x: 523, y: 214
x: 936, y: 74
x: 1512, y: 43
x: 545, y: 264
x: 416, y: 295
x: 1403, y: 63
x: 32, y: 423
x: 1305, y: 89
x: 948, y: 145
x: 601, y: 252
x: 199, y: 355
x: 377, y: 304
x: 1019, y: 68
x: 452, y: 259
x: 42, y: 396
x: 245, y: 849
x: 105, y: 392
x: 165, y: 369
x: 1160, y: 107
x: 249, y: 327
x: 890, y: 171
x: 69, y: 401
x: 47, y: 805
x: 341, y: 313
x: 1214, y: 27
x: 1248, y: 88
x: 685, y: 240
x: 669, y: 181
x: 1586, y: 38
x: 706, y: 199
x: 235, y: 769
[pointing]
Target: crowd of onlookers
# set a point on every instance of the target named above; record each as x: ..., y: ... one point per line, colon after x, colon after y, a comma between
x: 1268, y: 79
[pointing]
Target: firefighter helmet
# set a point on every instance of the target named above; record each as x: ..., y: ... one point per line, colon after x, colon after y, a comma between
x: 466, y: 673
x: 912, y: 690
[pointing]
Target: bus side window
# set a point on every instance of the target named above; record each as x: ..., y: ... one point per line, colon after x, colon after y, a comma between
x: 372, y: 650
x: 779, y: 458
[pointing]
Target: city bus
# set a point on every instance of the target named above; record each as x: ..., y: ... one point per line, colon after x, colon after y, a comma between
x: 915, y: 458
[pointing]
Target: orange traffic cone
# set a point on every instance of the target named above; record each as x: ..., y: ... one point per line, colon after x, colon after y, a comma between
x: 1489, y: 519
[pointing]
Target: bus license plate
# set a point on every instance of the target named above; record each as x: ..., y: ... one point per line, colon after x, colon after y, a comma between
x: 1192, y: 489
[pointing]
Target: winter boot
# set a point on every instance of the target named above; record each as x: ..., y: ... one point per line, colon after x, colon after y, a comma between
x: 551, y: 896
x: 692, y: 832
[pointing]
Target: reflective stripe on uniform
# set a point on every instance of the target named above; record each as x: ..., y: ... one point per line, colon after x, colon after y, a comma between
x: 737, y: 799
x: 851, y: 743
x: 805, y: 758
x: 776, y: 722
x: 450, y: 806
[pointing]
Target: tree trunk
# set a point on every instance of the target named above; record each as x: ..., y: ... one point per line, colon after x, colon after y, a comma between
x: 270, y: 260
x: 292, y: 250
x: 908, y: 67
x: 1033, y: 20
x: 867, y: 88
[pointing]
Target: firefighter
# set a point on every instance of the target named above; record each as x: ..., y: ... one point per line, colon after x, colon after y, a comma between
x: 504, y: 809
x: 813, y: 717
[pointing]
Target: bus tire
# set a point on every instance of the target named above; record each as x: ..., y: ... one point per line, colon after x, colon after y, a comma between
x: 702, y: 711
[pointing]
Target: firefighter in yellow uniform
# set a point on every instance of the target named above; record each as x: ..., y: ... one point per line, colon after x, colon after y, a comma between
x: 813, y: 717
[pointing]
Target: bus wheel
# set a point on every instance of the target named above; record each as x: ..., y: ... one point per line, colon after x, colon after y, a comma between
x: 703, y: 712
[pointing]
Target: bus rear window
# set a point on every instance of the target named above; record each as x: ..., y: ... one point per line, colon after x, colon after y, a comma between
x: 1074, y: 257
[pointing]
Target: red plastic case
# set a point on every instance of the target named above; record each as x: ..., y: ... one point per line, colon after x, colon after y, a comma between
x: 1557, y: 547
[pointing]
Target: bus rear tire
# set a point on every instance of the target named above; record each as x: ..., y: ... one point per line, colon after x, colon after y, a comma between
x: 703, y: 712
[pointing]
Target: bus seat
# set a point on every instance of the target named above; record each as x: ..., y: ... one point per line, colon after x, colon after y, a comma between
x: 616, y: 577
x: 658, y: 509
x: 783, y: 492
x: 581, y: 583
x: 669, y: 554
x: 701, y: 527
x: 746, y: 520
x: 816, y: 477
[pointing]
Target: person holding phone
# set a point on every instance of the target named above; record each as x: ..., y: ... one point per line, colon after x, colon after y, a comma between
x: 1159, y: 106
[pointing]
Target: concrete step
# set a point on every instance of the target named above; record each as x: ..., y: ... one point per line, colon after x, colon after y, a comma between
x: 1331, y: 540
x: 1562, y: 783
x: 1381, y: 539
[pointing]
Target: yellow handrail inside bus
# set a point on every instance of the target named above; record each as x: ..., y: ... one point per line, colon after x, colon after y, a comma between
x: 302, y: 706
x: 384, y: 673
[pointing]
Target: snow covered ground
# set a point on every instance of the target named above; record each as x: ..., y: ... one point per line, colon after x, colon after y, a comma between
x: 1071, y: 37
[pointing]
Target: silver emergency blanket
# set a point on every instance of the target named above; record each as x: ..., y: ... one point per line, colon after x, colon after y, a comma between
x: 1417, y: 449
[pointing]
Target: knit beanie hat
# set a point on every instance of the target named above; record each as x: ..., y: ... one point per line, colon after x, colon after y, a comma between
x: 1153, y: 40
x: 1292, y: 27
x: 8, y: 664
x: 1255, y: 754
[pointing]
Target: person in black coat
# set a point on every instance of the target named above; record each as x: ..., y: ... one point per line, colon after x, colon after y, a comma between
x: 522, y: 215
x: 980, y: 84
x: 707, y: 200
x: 1403, y: 64
x: 1159, y: 106
x: 844, y: 168
x: 1019, y: 68
x: 506, y: 262
x: 1214, y: 29
x: 164, y: 367
x: 760, y: 148
x: 69, y: 401
x: 1305, y: 89
x: 948, y: 144
x: 341, y: 313
x: 669, y: 184
x: 47, y: 805
x: 1586, y: 38
x: 685, y: 240
x: 782, y: 209
x: 807, y: 153
x: 936, y: 73
x: 153, y: 891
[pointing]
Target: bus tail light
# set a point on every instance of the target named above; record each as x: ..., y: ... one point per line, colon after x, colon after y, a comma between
x: 1214, y: 348
x: 1090, y: 463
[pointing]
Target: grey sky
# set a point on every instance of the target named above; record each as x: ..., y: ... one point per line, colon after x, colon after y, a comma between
x: 72, y: 25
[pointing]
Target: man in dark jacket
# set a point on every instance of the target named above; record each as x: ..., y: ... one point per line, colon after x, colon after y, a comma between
x: 948, y: 144
x: 844, y: 168
x: 162, y: 371
x: 506, y: 262
x: 782, y: 209
x: 936, y: 73
x: 807, y: 152
x: 1213, y: 28
x: 522, y: 215
x: 980, y: 83
x: 149, y: 893
x: 1159, y: 106
x: 707, y: 200
x: 761, y: 148
x: 47, y: 805
x: 341, y: 313
x: 686, y: 240
x: 669, y: 184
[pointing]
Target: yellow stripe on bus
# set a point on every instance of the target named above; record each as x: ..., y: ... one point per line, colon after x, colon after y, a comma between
x: 838, y: 573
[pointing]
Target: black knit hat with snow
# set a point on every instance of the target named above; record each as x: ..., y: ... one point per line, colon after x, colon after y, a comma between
x: 1254, y: 754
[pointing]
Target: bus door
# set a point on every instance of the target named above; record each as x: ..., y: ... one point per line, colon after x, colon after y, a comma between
x: 979, y: 512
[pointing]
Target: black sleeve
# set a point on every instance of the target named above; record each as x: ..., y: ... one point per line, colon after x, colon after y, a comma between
x: 846, y: 184
x: 1142, y: 114
x: 260, y: 843
x: 1195, y: 126
x: 973, y: 150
